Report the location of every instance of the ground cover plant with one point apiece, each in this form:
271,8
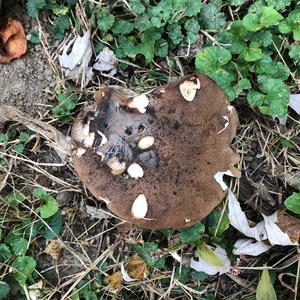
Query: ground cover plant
58,242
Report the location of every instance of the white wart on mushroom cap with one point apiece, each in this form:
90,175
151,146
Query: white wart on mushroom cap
167,152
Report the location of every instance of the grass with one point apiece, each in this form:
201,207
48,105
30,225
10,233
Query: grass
43,203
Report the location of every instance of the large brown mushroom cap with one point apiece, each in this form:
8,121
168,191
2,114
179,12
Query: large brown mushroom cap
175,185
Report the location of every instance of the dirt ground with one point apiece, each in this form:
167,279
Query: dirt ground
25,82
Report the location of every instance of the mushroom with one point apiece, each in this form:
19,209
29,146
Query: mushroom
178,186
14,41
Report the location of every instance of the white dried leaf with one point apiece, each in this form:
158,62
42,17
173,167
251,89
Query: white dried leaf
204,266
75,63
125,275
238,220
139,207
219,178
294,103
96,213
106,61
249,247
275,235
176,256
35,290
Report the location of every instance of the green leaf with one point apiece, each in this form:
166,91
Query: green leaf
269,16
149,252
4,290
161,49
198,276
167,232
14,198
5,253
237,2
34,37
122,27
105,20
210,16
266,66
265,290
294,53
19,246
137,6
50,208
193,8
4,139
34,6
146,47
90,295
192,234
251,22
252,53
211,59
279,4
277,96
19,148
216,225
265,17
55,224
61,25
208,255
67,102
23,267
291,23
284,27
292,203
175,34
182,274
24,137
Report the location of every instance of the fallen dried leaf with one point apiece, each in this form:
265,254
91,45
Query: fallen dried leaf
14,41
136,268
96,213
289,225
54,249
114,280
239,220
56,139
219,264
35,290
106,61
75,64
249,247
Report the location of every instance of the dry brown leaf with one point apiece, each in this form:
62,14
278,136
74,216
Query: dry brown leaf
136,268
289,225
114,281
54,249
14,41
56,139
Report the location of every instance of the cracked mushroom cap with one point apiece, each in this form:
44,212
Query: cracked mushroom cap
153,159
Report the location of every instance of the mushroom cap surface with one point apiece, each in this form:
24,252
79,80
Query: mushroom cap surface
191,144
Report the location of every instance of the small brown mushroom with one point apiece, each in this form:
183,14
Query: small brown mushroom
177,146
14,41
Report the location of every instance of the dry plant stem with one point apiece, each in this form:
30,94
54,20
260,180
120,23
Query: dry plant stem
55,138
91,267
